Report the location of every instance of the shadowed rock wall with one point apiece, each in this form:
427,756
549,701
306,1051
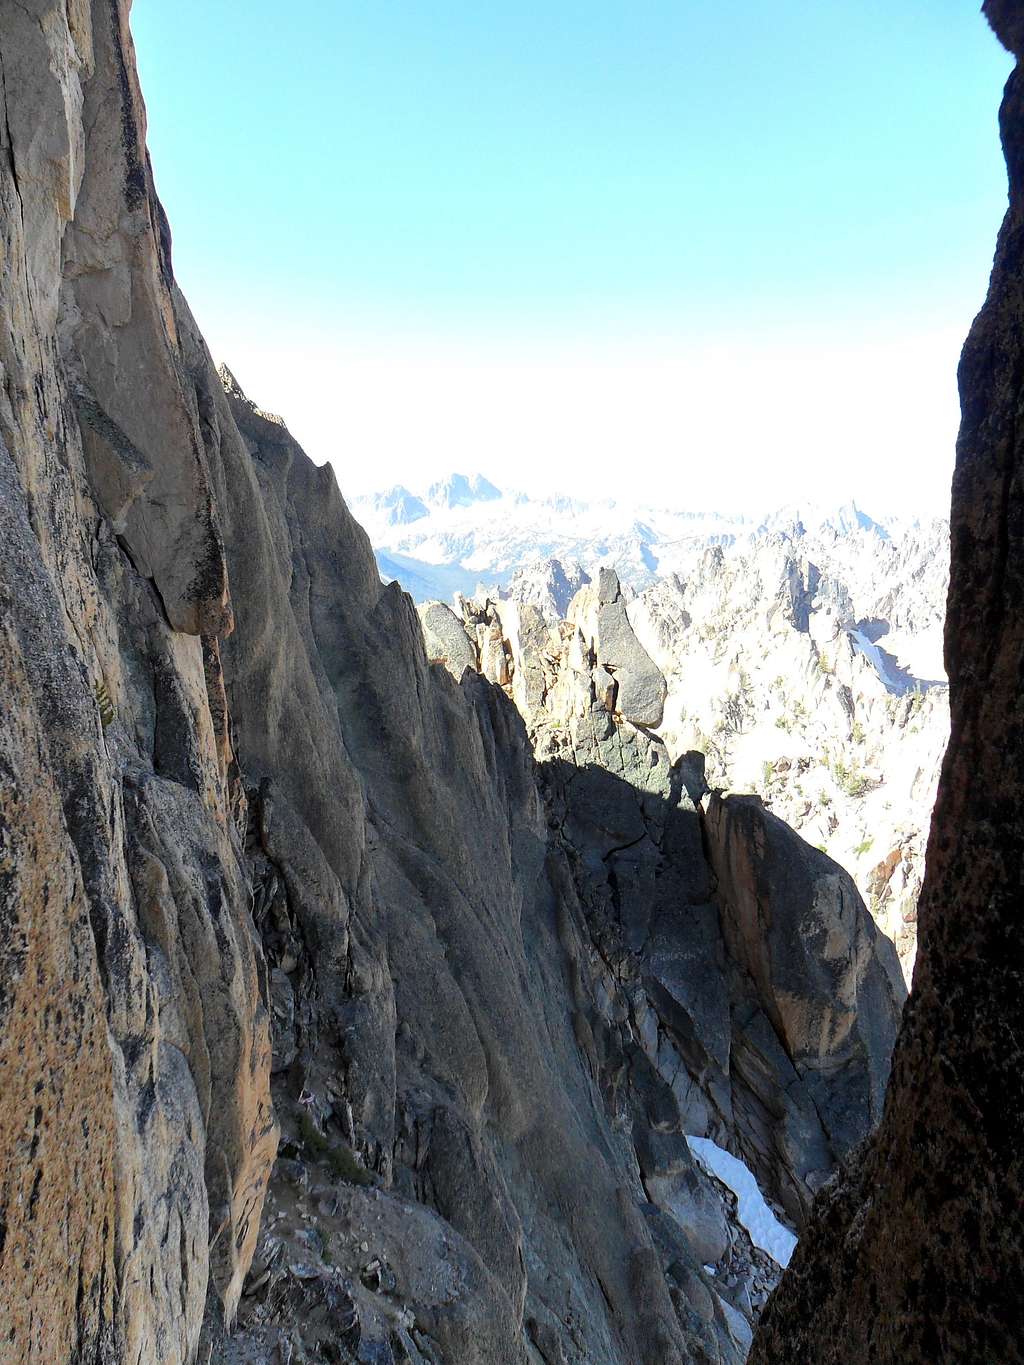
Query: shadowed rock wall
914,1252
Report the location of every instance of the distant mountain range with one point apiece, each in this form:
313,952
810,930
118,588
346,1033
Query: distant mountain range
398,507
463,532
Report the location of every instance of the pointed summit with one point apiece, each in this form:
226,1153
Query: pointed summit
235,392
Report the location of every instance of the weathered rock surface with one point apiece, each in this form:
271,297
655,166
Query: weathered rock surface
138,1134
639,688
826,977
266,872
913,1252
446,638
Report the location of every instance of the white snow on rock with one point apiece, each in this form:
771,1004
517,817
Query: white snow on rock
763,1228
874,656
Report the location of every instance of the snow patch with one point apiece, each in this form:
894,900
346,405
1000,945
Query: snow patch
763,1228
873,654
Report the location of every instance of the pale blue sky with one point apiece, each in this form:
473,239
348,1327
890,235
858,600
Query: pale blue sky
572,236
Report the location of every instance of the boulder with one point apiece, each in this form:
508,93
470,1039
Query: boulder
446,639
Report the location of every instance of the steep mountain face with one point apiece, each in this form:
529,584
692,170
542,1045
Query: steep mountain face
326,1012
135,1110
913,1251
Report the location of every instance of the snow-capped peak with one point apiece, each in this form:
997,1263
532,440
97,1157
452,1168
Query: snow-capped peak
459,491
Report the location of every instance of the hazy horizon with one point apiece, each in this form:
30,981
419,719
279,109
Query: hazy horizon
553,491
725,256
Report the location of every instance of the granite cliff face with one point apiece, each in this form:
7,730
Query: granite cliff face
913,1251
134,1037
344,1015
